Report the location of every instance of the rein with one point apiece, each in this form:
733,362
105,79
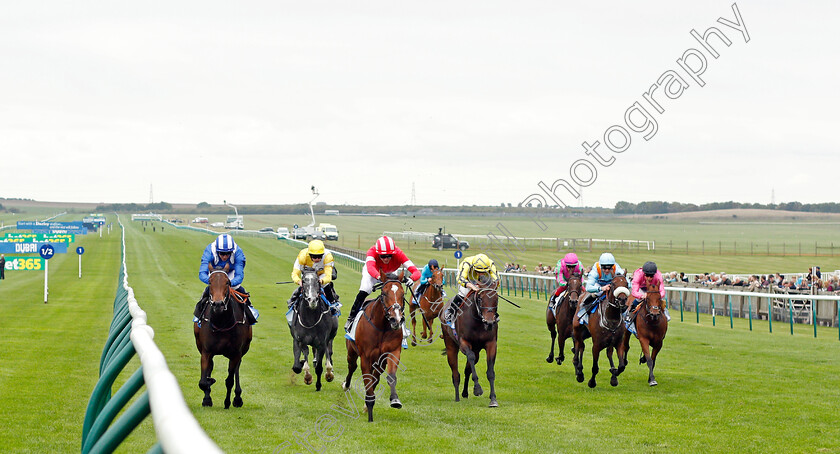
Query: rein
381,300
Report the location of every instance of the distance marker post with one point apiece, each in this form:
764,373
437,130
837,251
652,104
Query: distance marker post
47,252
80,250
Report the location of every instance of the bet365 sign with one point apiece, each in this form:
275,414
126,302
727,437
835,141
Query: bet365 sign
24,264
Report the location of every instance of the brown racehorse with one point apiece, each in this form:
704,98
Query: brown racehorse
379,341
607,330
224,331
431,303
476,328
651,326
559,320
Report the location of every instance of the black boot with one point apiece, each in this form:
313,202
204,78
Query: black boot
202,303
357,304
450,311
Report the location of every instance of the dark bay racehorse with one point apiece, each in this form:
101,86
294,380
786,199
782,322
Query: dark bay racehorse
476,328
379,341
651,326
559,321
431,303
606,328
313,325
224,331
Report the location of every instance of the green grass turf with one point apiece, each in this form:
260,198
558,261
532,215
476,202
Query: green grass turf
720,389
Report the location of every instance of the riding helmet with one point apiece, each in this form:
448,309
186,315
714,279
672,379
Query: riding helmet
224,243
316,247
606,259
385,246
649,268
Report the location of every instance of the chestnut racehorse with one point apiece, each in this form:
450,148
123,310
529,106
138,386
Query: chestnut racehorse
224,331
559,320
476,328
606,328
651,327
431,303
379,341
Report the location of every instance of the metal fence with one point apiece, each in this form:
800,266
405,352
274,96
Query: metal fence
176,428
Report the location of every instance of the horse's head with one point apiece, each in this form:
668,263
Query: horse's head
392,297
574,288
436,280
310,288
487,302
219,284
653,302
619,292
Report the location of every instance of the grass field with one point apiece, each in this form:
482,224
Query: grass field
720,390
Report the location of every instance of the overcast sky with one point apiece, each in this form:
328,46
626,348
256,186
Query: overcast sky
467,102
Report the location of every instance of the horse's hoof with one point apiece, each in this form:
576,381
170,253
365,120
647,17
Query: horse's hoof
493,403
614,381
642,360
307,379
559,360
653,383
237,401
465,394
297,369
330,377
592,383
395,403
413,343
227,404
344,386
550,359
317,386
477,391
207,402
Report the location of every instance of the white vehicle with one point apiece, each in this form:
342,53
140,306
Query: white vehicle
200,221
283,232
234,223
330,231
217,224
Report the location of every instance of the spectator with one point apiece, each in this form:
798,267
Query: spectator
754,284
738,282
683,277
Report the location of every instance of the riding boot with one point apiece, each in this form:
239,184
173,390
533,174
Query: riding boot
293,299
450,311
357,304
202,302
628,314
551,302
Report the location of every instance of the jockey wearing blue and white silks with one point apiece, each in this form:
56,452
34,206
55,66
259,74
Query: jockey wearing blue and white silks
235,260
224,251
602,273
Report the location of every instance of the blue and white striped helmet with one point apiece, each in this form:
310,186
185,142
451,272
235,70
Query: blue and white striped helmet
224,243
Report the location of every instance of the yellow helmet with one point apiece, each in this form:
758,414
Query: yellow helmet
482,263
316,247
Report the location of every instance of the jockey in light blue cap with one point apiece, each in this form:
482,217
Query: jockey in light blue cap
599,279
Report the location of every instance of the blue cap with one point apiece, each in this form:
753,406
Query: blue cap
433,264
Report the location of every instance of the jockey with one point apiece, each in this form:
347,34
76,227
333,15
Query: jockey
383,256
643,278
599,279
424,279
317,257
224,251
472,269
568,265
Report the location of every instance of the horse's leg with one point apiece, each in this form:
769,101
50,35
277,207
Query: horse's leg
352,356
307,376
206,381
613,370
577,361
370,378
563,333
233,371
491,372
318,358
551,321
428,324
623,349
393,360
647,359
655,347
477,391
452,359
596,352
469,369
296,364
328,358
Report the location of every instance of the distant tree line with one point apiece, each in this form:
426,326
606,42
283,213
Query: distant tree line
657,207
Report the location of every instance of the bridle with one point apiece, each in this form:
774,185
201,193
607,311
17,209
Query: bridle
615,303
394,324
480,310
223,303
652,311
309,275
567,295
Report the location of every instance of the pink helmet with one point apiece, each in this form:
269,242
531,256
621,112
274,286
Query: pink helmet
571,258
385,246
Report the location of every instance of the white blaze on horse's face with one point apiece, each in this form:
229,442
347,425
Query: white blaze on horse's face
394,288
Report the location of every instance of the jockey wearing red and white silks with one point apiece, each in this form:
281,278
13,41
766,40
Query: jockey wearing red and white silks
385,257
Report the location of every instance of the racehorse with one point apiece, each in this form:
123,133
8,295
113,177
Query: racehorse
313,324
223,330
476,328
431,303
607,330
379,340
651,326
559,320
